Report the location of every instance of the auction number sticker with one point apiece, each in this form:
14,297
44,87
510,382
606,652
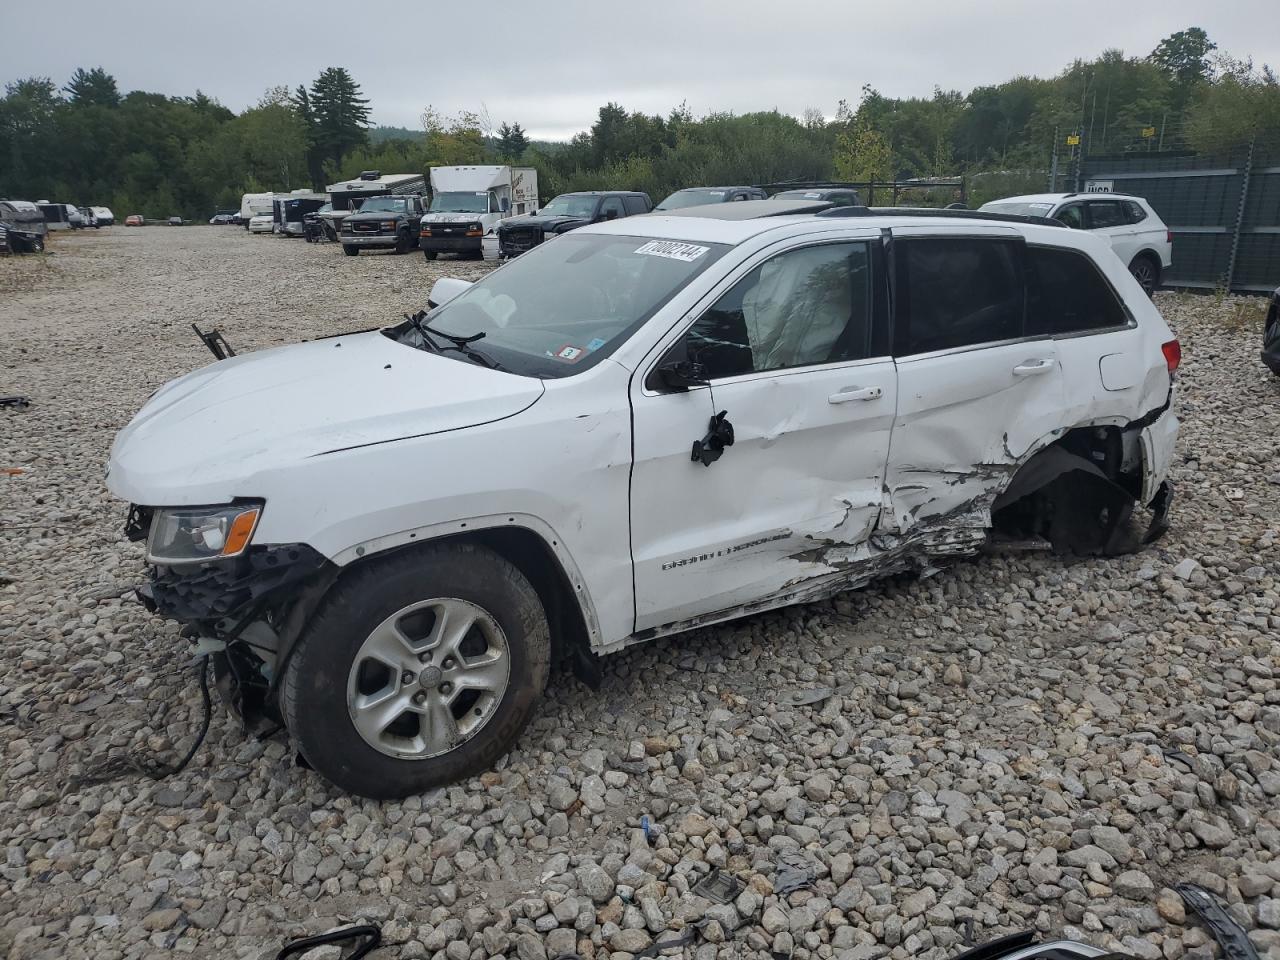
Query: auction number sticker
673,250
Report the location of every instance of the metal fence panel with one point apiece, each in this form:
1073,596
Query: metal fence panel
1214,206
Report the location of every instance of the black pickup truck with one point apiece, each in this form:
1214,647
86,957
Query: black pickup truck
568,212
383,222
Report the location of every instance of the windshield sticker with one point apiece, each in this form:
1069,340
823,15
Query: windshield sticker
672,250
715,193
1039,206
813,196
596,344
569,353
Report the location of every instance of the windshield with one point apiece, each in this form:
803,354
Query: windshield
569,206
692,198
1039,208
460,202
564,306
384,204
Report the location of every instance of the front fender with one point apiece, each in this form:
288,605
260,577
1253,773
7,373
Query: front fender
452,528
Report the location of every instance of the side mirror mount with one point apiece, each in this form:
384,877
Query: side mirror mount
446,289
611,214
680,375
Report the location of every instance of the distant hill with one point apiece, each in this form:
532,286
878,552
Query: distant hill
382,134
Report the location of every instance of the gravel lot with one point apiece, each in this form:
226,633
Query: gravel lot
1026,741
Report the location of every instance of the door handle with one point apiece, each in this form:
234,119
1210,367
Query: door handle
1031,368
856,393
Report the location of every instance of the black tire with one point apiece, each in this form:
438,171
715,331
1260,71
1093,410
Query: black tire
430,254
403,242
1146,270
36,245
350,249
313,694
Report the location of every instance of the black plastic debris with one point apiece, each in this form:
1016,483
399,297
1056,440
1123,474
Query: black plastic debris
365,937
718,887
1230,935
794,871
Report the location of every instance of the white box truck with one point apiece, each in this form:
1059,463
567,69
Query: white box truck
468,203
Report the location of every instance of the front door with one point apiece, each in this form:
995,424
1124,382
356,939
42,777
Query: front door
794,346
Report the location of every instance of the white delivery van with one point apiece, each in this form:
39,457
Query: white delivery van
468,203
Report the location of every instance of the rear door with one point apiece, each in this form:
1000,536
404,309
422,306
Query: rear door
976,391
1108,218
794,345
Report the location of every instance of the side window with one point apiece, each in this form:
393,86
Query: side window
956,293
1072,216
1105,213
1067,294
1135,211
614,204
634,205
802,307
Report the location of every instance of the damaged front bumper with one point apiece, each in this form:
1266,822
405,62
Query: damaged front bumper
246,611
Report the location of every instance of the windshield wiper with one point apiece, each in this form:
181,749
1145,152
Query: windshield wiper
460,343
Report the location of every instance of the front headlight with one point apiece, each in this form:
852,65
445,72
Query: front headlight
388,224
196,534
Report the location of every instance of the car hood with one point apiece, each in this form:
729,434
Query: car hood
375,215
548,224
452,217
204,437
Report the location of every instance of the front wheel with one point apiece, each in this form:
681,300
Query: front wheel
430,254
350,249
37,245
403,243
1146,271
417,670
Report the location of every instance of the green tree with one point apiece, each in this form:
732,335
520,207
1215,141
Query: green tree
1243,103
95,86
512,141
1185,56
453,140
337,115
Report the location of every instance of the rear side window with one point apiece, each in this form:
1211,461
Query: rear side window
801,308
611,204
635,205
1135,211
957,293
1105,213
1067,294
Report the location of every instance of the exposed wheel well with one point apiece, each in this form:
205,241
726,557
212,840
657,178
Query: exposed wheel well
1077,492
1153,258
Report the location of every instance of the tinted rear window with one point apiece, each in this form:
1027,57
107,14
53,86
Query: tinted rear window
1067,294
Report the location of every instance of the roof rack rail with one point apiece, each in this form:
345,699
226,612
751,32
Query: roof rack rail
941,214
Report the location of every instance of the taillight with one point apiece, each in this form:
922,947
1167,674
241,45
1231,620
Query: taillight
1168,236
1172,355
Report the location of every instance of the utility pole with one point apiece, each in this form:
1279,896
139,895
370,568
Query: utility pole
1053,163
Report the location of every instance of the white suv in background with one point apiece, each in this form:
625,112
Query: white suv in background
647,425
1136,233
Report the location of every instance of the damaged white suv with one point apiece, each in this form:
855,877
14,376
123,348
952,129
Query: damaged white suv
641,427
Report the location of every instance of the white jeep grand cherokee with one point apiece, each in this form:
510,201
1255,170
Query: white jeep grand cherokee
639,428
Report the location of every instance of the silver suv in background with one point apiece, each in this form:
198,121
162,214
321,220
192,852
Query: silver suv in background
1135,231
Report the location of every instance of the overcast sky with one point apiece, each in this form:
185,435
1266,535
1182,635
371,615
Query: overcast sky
550,64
